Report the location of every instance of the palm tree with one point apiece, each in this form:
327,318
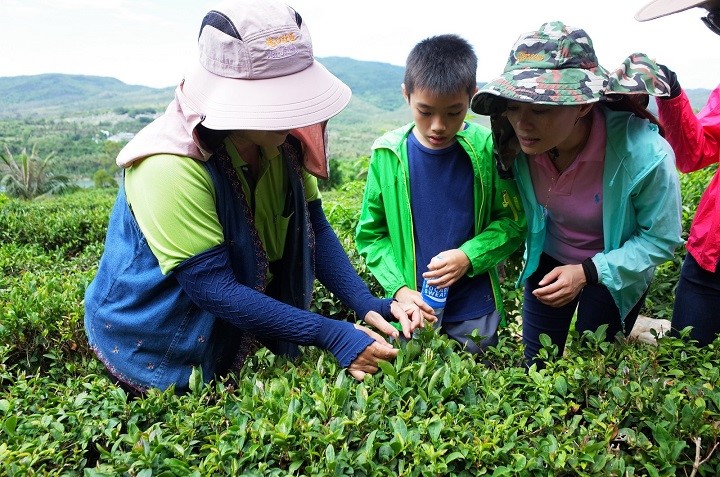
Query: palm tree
28,176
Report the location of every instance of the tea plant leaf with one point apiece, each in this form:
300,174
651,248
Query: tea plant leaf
330,454
545,340
10,424
196,381
387,368
434,430
454,456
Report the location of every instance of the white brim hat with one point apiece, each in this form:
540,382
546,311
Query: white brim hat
661,8
257,71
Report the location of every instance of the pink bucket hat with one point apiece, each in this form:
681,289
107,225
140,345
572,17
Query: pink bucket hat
257,71
661,8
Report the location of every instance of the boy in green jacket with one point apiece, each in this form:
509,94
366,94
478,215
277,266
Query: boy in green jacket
433,189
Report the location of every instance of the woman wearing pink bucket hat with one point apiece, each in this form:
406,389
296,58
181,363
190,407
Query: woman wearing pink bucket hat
696,141
218,233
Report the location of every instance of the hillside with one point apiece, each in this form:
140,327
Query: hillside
72,114
81,118
51,95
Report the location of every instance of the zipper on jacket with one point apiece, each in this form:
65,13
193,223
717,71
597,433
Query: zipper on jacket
468,150
406,178
507,202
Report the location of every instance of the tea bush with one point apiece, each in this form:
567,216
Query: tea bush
68,223
604,408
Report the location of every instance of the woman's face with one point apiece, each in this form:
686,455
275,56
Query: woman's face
262,138
541,127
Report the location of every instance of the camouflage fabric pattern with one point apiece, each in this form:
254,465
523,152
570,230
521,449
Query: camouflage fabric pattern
557,65
638,74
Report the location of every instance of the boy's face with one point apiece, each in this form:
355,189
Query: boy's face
437,117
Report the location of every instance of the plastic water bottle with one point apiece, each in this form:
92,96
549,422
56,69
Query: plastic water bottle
435,297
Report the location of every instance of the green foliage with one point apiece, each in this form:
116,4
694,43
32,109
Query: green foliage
604,408
74,115
80,145
28,176
103,179
67,224
22,96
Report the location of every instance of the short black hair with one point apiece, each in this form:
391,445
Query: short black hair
442,64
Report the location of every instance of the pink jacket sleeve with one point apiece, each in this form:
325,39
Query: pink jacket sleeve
694,138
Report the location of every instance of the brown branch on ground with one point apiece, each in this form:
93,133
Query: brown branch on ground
699,462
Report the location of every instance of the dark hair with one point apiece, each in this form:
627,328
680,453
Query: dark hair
443,64
636,104
211,138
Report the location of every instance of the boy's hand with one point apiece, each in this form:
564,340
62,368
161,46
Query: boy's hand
407,296
367,361
447,270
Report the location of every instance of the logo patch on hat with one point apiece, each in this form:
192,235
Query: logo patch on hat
523,56
282,46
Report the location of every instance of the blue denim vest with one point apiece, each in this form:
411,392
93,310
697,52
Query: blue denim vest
144,327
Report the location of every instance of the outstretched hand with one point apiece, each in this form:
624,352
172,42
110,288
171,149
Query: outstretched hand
367,361
408,315
561,285
413,297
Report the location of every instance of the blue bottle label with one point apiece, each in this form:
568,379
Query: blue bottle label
433,296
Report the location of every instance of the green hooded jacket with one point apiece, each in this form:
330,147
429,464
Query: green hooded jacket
385,232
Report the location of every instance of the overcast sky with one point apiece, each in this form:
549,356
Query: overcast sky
149,42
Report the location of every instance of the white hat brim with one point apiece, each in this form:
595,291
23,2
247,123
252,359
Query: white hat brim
308,97
661,8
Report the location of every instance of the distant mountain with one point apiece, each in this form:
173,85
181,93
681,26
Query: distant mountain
53,94
73,114
376,84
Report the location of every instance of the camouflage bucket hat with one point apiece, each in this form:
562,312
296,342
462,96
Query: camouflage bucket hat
557,65
554,65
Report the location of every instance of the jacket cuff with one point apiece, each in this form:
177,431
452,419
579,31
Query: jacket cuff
591,274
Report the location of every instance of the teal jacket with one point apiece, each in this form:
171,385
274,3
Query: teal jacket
641,209
385,233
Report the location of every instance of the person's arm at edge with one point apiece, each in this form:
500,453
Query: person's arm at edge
695,138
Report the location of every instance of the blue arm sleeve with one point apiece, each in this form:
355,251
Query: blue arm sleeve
208,280
334,270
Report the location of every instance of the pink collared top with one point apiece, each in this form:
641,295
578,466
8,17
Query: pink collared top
573,199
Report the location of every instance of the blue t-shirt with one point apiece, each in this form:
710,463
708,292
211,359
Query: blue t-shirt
442,206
